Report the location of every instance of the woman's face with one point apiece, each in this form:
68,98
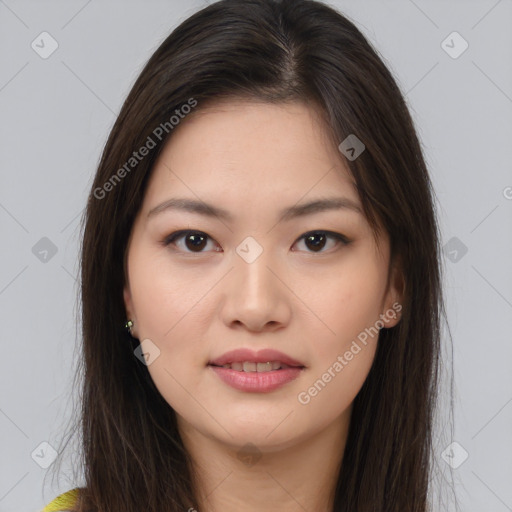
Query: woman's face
248,278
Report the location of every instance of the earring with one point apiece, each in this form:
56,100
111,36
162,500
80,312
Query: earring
128,325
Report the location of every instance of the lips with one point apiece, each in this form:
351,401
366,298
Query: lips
249,356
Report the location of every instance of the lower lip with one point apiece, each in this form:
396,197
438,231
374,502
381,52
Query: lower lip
256,382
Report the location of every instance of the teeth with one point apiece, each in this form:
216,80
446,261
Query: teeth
248,366
263,367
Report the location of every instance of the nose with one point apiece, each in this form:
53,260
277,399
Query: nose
255,295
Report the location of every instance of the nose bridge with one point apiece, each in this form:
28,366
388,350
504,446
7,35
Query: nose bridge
256,297
252,264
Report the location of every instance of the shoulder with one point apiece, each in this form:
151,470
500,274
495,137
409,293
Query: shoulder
63,502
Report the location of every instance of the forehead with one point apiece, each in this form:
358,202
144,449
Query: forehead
252,148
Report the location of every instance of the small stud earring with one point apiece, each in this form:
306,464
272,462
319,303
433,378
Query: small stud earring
128,325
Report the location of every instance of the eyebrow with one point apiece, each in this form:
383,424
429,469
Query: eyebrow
292,212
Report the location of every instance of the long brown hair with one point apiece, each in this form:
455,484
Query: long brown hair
275,51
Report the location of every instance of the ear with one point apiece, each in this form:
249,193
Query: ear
127,297
392,304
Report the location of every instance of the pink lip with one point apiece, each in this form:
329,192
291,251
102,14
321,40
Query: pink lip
262,356
256,382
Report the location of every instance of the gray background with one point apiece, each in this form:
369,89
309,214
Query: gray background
55,116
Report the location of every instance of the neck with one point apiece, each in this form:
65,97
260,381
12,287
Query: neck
299,476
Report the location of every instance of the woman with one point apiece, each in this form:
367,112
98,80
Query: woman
261,293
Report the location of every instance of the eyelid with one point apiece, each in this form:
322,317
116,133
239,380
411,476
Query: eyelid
340,238
170,239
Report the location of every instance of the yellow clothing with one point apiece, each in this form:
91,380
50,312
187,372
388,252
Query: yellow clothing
65,501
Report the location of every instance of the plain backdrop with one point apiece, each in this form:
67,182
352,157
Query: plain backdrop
55,114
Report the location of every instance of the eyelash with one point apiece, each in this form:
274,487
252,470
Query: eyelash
170,239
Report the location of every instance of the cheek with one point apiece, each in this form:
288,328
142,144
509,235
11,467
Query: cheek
169,312
345,341
169,306
346,303
165,298
330,393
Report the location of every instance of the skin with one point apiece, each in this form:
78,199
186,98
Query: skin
254,159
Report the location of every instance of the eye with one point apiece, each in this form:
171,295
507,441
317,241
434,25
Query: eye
196,241
317,239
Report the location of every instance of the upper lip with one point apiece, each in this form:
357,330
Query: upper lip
242,355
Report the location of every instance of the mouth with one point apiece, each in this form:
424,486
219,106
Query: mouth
263,372
251,366
246,360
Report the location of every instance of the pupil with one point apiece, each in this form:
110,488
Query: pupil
316,245
198,241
